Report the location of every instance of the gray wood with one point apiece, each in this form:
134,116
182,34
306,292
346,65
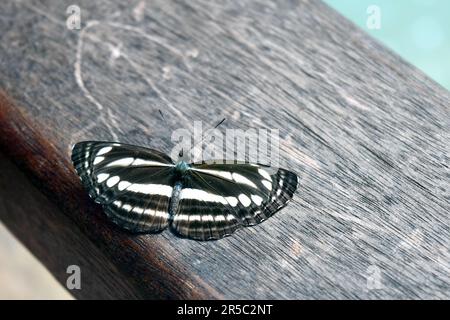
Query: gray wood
367,133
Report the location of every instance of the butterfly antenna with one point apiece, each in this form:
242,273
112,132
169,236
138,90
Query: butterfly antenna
166,124
203,138
220,123
162,116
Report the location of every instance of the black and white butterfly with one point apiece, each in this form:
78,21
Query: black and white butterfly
143,190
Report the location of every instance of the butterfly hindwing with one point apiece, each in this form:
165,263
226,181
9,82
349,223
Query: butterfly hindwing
133,184
217,199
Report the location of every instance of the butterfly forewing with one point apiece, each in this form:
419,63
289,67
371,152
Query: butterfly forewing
133,184
217,199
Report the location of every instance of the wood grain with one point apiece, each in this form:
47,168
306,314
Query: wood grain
366,132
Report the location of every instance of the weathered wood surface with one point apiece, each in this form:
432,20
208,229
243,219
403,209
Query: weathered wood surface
367,133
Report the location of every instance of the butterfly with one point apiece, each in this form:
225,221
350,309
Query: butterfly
143,190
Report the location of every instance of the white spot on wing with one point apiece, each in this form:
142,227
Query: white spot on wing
230,217
265,174
124,162
244,200
221,174
267,184
138,210
219,218
112,181
143,162
123,185
161,214
149,211
233,201
181,217
104,150
241,179
97,160
201,195
256,199
207,217
102,177
157,189
156,213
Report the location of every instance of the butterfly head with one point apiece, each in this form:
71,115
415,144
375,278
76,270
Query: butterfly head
181,167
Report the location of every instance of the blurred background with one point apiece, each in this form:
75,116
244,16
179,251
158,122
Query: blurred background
418,30
22,276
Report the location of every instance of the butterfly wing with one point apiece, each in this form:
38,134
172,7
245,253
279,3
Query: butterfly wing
134,184
217,199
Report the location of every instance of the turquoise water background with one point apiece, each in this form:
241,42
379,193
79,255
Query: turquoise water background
418,30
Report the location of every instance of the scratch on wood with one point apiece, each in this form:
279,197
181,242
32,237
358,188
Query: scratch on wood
116,52
297,155
78,61
80,82
139,11
153,86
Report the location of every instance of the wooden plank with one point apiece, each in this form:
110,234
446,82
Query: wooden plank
366,132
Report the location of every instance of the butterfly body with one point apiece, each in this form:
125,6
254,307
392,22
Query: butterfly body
143,190
175,199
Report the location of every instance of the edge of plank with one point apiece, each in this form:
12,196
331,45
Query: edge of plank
147,264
